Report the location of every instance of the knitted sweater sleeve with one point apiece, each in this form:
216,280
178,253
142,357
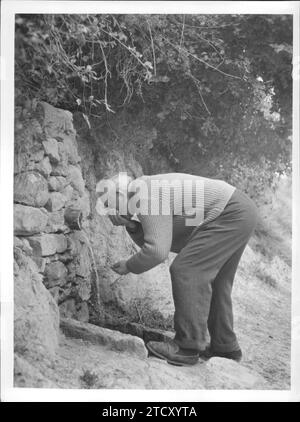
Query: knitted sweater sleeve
137,235
157,240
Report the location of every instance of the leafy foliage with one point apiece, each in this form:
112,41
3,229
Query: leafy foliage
215,87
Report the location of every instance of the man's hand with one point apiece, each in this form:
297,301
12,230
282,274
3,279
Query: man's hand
120,267
119,220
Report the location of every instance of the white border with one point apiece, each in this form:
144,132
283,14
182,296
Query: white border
295,349
9,8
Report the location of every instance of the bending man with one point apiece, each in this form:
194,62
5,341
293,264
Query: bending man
208,223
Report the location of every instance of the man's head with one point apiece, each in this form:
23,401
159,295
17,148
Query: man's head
114,192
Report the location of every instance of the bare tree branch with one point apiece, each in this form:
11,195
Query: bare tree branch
185,51
182,31
198,83
125,46
152,46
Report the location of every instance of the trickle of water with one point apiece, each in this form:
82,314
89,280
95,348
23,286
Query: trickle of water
94,264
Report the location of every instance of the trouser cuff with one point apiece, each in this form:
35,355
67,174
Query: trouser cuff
190,344
224,347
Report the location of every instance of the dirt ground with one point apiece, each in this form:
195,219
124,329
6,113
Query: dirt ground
263,328
81,364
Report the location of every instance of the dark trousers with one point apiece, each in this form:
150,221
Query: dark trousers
202,275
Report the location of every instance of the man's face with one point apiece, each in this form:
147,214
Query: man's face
121,204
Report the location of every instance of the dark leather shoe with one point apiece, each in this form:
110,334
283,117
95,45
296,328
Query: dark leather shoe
209,353
172,353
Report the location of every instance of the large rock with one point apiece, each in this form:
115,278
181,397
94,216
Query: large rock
36,317
51,149
76,179
48,244
84,288
43,167
55,121
114,340
56,222
23,244
57,183
60,169
76,241
29,220
82,203
83,312
56,201
68,149
81,264
28,148
68,309
31,189
68,193
55,274
40,263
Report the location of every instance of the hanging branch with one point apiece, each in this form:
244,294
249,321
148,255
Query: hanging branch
182,31
212,45
198,83
152,46
179,49
107,72
125,46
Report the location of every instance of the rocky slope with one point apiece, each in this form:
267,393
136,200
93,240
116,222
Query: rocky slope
100,358
63,252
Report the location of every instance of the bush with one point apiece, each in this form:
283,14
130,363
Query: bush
216,87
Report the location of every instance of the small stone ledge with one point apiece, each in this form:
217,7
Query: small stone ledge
114,340
140,330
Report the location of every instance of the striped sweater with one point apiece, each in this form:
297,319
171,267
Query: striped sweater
163,232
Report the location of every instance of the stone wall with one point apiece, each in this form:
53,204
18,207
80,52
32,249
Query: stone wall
48,189
56,170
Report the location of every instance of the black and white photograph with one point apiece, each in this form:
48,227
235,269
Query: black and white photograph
149,201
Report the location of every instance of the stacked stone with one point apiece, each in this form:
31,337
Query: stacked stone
47,181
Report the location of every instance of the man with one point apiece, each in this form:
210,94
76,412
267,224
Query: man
208,223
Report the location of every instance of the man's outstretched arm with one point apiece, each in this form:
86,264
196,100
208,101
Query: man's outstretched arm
136,232
157,240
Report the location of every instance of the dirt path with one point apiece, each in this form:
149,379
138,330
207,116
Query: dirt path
262,322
